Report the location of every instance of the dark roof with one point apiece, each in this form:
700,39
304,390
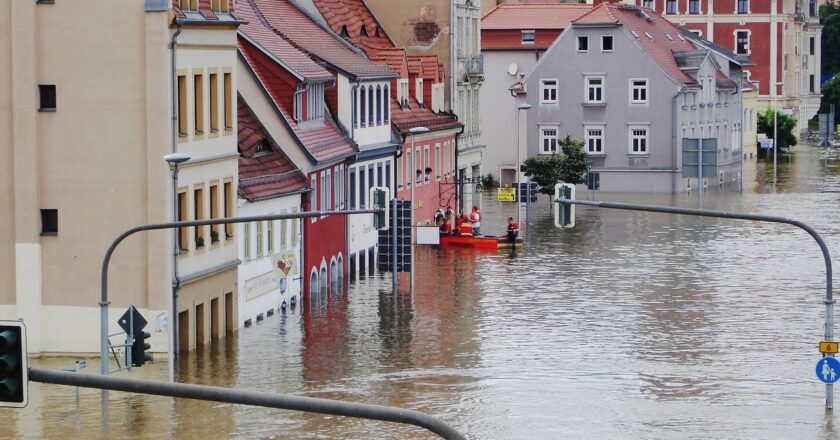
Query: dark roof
690,59
263,174
732,56
322,141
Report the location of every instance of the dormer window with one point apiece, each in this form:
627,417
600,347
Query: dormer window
344,32
402,92
220,6
188,5
309,105
363,32
263,148
527,37
418,90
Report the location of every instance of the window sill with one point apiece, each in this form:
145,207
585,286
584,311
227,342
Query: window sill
594,104
639,155
45,2
46,110
596,154
49,234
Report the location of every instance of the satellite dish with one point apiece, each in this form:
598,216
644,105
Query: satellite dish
512,69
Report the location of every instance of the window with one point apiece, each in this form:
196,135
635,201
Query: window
407,169
582,44
527,37
228,102
198,90
438,162
214,212
214,103
402,92
386,104
228,203
295,233
46,93
418,90
363,106
811,84
419,171
198,214
355,109
670,6
594,89
49,222
182,105
606,43
183,233
388,174
353,189
648,4
189,5
812,46
371,183
284,233
315,102
313,203
548,140
259,237
370,106
269,232
548,91
638,140
246,240
378,105
638,91
742,42
427,169
362,189
594,138
743,7
219,5
693,6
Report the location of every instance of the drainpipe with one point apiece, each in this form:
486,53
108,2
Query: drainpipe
680,92
176,285
298,109
740,92
457,173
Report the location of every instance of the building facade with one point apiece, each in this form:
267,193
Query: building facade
781,37
638,88
63,106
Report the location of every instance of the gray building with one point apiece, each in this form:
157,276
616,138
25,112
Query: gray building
633,85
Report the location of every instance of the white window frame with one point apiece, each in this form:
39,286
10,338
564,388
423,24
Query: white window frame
544,138
602,43
676,9
426,163
587,137
749,40
688,7
543,88
525,33
742,13
402,91
438,163
418,90
587,85
632,137
578,40
314,204
652,4
645,90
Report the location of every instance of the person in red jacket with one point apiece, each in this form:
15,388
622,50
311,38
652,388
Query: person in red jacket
512,230
445,227
466,228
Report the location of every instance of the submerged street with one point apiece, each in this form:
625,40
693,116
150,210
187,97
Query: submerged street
630,325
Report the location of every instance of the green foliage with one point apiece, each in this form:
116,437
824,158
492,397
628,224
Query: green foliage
488,181
831,95
568,167
830,20
785,126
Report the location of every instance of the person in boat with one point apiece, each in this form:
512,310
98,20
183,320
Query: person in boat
445,227
466,228
512,230
449,214
475,219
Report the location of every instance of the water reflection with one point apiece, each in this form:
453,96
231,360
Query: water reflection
630,325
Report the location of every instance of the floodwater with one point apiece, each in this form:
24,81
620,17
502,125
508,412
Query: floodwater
631,325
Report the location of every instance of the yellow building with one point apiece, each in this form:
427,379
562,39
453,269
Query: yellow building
86,116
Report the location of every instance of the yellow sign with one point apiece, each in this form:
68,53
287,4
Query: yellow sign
828,347
506,195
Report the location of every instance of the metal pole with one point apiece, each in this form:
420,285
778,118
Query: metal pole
518,168
172,301
413,178
775,123
394,246
700,167
269,400
829,299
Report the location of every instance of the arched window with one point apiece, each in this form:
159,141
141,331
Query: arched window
313,284
333,277
340,262
363,106
354,110
386,101
371,105
324,283
378,105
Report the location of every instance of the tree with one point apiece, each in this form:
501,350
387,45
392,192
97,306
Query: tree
830,20
785,126
569,167
831,95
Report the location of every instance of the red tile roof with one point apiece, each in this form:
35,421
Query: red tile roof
517,16
658,36
324,142
304,33
261,35
351,16
263,174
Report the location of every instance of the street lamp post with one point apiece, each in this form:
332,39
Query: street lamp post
519,109
775,126
174,160
413,180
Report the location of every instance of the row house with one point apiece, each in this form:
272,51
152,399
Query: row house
287,92
639,86
83,143
450,31
514,36
416,99
781,37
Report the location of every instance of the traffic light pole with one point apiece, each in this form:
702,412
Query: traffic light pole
829,299
246,397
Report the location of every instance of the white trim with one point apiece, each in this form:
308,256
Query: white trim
587,138
645,90
644,147
544,138
543,88
525,32
735,40
578,40
602,87
602,44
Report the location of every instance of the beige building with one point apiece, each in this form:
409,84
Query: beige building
86,116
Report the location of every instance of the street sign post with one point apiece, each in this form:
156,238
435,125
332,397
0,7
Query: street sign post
828,370
506,195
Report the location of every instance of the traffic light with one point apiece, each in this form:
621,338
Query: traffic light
14,374
379,197
138,349
564,215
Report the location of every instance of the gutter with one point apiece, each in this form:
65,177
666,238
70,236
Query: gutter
173,332
680,91
457,174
